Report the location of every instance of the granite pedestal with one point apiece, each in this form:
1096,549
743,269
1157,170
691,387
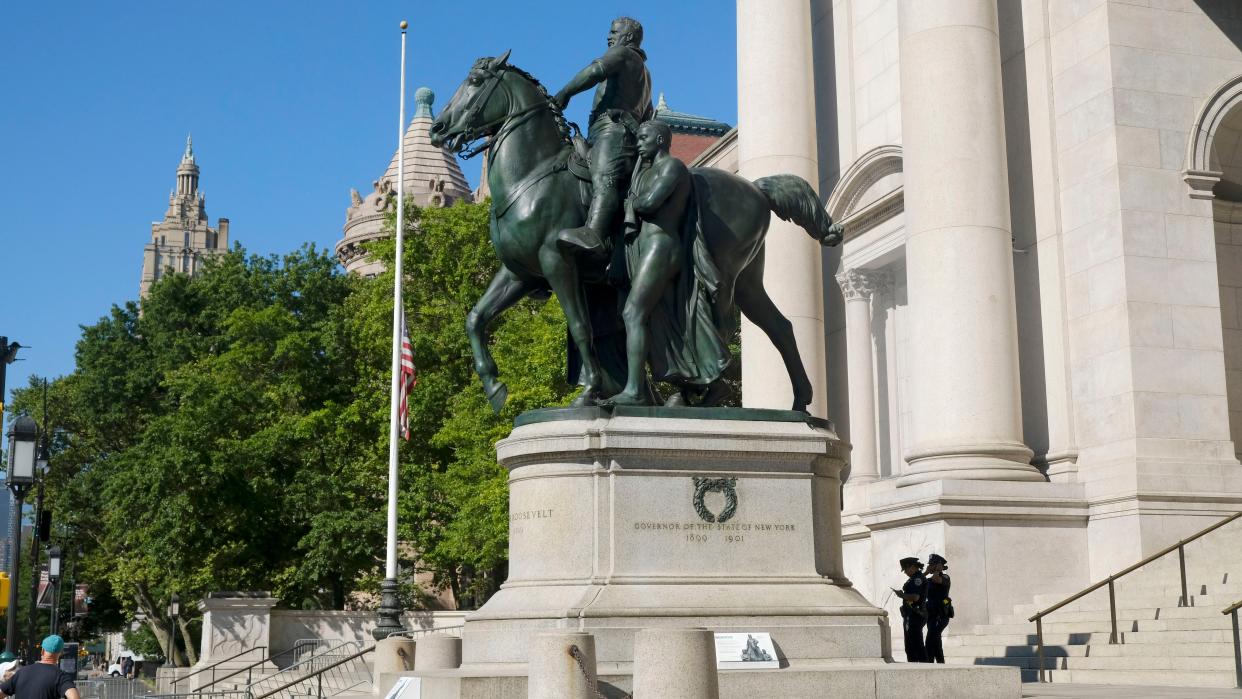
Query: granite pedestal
634,518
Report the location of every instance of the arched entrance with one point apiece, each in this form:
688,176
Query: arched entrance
1214,172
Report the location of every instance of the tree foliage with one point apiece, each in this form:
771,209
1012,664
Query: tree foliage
232,431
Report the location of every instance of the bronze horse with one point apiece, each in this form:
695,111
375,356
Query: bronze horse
535,196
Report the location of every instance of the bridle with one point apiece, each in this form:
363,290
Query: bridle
511,120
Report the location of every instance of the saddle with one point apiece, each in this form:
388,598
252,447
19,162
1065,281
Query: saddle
580,159
580,165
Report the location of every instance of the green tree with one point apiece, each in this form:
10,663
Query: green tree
232,431
454,503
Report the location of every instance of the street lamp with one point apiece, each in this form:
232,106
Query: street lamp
174,611
40,530
54,559
19,478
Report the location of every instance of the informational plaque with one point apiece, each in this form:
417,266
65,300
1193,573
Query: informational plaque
745,651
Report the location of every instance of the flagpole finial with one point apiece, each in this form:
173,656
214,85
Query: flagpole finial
404,25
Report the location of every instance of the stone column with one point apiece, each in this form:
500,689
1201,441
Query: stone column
554,672
675,663
776,134
857,287
967,415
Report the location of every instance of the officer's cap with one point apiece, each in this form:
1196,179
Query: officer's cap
911,561
937,558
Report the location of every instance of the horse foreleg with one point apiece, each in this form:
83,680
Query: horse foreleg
758,307
561,271
505,290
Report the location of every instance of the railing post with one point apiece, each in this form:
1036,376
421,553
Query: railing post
320,685
1112,610
1237,650
1181,562
1039,640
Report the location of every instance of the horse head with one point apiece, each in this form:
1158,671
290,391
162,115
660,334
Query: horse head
475,111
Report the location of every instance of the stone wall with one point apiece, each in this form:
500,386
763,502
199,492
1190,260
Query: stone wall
292,625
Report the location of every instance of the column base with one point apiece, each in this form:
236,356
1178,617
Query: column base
998,461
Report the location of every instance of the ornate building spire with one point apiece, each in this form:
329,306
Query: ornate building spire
181,241
187,171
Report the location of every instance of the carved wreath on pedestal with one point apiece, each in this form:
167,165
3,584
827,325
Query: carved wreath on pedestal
703,486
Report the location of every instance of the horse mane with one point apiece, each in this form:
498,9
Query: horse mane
562,125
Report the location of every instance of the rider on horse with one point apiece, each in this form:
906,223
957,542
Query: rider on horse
622,103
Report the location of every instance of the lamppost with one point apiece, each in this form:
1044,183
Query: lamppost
174,611
20,476
38,532
53,577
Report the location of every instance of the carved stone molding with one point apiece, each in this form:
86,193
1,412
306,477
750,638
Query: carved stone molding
859,284
845,204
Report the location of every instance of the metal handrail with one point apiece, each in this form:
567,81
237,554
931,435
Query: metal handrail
1112,593
1237,642
213,666
454,630
316,673
249,669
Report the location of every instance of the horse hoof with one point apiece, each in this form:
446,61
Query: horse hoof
497,395
677,400
625,399
587,399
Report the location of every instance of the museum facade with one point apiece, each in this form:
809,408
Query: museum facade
1031,335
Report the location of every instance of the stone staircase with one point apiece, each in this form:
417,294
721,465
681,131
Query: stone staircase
1160,641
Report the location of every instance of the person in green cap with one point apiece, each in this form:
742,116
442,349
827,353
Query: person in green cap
44,679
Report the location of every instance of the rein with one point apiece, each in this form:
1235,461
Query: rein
511,120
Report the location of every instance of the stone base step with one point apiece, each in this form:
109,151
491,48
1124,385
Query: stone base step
1196,663
1197,611
1216,622
1216,650
1158,678
1092,637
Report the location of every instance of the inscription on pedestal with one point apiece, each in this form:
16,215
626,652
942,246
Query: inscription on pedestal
716,532
517,519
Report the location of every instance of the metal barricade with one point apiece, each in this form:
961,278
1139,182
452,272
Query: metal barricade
110,688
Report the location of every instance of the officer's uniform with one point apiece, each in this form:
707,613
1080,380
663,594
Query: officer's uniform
914,614
938,610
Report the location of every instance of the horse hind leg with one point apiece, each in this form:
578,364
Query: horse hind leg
504,290
561,271
753,300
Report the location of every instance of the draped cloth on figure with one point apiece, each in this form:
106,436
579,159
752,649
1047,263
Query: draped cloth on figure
688,345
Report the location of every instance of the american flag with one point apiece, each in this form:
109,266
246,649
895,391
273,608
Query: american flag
408,379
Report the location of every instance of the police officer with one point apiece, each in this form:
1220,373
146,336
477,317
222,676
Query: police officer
913,609
622,103
939,606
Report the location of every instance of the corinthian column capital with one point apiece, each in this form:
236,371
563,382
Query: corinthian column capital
859,284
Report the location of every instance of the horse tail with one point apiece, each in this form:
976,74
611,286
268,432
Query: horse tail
791,198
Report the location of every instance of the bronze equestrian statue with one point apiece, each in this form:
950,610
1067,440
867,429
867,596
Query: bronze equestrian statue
538,196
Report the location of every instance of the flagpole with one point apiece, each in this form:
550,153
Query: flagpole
390,605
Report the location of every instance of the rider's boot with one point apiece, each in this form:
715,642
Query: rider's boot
590,241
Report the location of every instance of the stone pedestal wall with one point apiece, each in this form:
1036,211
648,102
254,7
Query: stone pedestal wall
632,520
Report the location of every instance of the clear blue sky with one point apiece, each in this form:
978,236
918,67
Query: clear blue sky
290,104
